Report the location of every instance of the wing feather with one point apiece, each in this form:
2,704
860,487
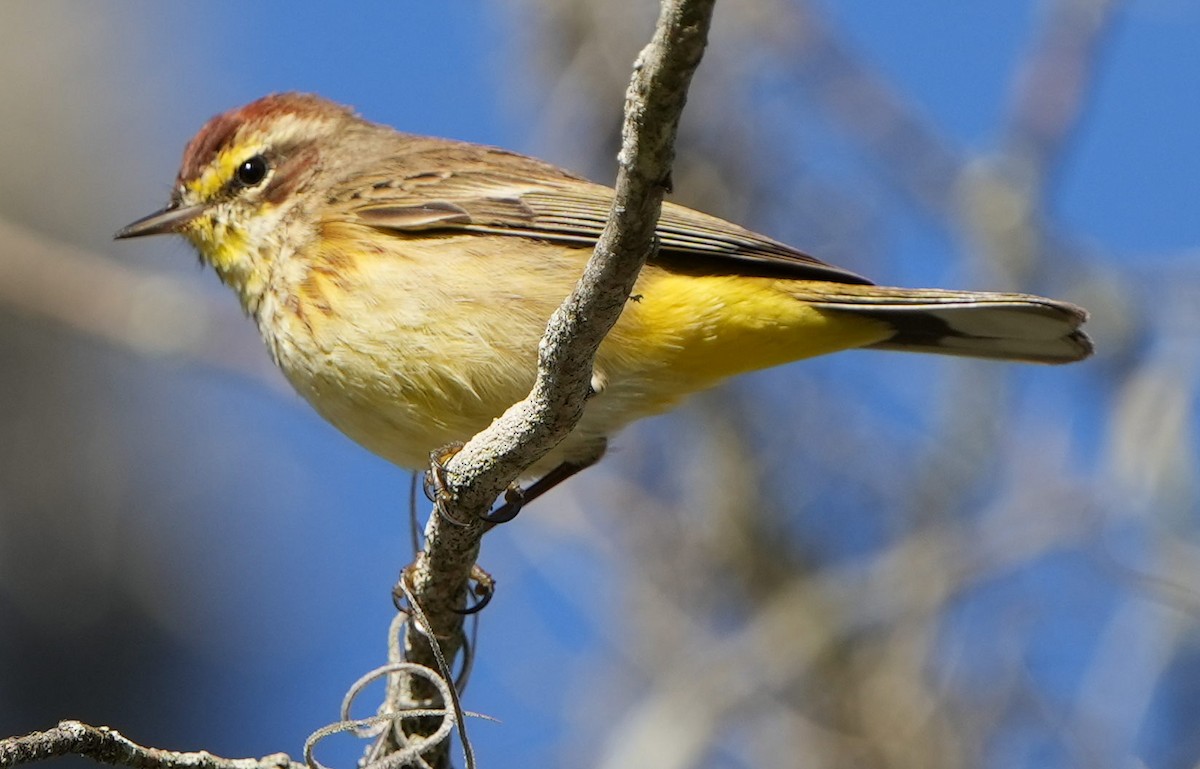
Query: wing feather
499,193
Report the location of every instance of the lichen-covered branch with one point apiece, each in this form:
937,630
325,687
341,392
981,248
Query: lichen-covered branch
527,431
108,746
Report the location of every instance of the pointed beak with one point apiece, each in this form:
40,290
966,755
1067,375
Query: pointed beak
169,220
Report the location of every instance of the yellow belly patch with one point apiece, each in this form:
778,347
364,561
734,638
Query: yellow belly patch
709,327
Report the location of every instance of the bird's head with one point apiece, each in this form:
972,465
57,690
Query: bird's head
245,182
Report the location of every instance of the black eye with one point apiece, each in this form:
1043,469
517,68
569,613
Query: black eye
251,171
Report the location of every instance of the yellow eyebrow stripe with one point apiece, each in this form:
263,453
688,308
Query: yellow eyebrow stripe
218,173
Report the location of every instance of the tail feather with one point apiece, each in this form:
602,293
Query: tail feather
975,324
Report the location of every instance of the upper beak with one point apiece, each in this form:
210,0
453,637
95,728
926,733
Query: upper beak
170,219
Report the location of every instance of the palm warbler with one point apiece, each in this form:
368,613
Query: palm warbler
402,283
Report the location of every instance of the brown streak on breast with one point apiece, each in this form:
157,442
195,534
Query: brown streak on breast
312,293
334,260
294,306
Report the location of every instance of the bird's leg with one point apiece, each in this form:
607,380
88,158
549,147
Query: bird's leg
515,497
437,491
483,590
435,481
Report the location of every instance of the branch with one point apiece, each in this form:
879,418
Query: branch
147,314
915,156
1055,81
494,458
529,429
107,746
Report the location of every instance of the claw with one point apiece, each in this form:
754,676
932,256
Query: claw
484,590
398,597
515,497
514,500
435,482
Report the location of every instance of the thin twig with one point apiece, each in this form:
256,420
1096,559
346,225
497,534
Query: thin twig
422,623
108,746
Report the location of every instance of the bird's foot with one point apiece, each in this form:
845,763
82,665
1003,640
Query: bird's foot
436,489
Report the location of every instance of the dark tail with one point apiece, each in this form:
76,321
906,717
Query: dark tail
976,324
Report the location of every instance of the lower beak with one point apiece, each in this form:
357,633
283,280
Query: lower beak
169,220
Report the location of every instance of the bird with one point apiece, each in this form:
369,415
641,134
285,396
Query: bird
402,283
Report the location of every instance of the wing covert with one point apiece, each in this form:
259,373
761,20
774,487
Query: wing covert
522,197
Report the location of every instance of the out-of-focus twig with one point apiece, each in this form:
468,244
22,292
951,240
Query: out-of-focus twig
875,665
145,314
1055,79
